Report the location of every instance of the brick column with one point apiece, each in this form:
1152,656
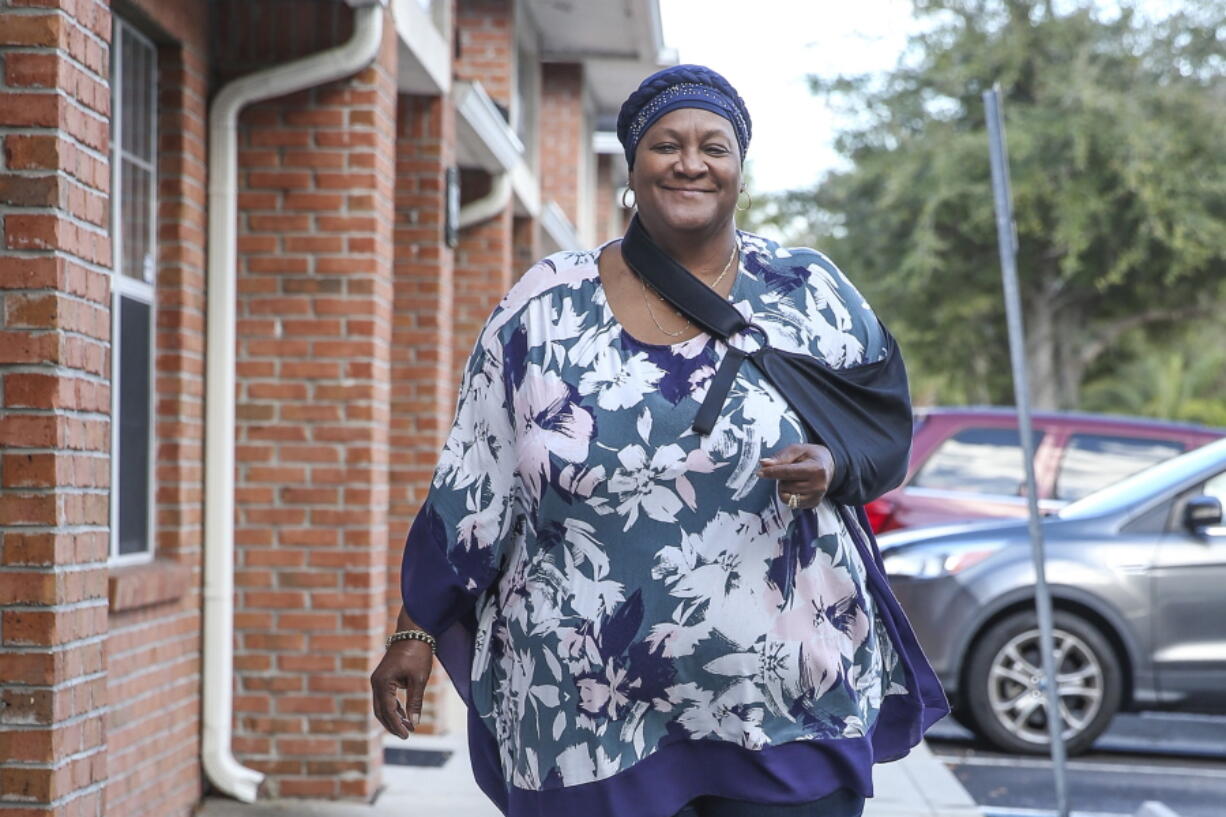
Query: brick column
563,151
154,643
315,295
483,272
525,244
55,258
422,397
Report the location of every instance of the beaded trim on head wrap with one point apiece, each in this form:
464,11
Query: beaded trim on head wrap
681,86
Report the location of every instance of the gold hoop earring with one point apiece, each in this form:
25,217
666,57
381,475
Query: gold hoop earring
632,204
741,209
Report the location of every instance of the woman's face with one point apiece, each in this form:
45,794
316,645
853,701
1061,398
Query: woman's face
687,172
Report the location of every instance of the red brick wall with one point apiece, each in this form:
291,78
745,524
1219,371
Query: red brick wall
315,295
422,399
54,405
525,244
485,51
482,276
561,136
153,649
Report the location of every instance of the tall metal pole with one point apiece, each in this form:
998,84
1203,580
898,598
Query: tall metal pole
1007,236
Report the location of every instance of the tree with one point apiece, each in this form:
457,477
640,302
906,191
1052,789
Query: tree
1182,379
1116,133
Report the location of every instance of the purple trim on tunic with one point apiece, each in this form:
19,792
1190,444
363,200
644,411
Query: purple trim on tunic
660,784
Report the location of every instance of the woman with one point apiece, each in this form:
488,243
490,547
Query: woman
645,620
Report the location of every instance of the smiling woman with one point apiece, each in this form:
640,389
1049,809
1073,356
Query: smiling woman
647,615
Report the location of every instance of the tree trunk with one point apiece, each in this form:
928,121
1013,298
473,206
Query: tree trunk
1042,354
1071,330
1056,332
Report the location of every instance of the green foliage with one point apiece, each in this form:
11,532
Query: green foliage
1116,135
1182,379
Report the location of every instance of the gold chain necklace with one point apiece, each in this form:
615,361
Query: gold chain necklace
647,301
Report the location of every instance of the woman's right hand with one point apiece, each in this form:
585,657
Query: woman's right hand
406,665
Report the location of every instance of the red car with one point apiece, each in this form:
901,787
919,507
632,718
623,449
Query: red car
966,463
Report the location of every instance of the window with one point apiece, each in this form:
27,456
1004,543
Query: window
979,461
1216,487
1093,461
133,233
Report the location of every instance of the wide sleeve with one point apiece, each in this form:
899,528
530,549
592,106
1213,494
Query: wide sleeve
851,388
456,544
874,399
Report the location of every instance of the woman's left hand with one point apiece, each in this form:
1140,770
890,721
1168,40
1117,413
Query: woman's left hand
804,472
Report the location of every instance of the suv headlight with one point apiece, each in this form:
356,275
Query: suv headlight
924,563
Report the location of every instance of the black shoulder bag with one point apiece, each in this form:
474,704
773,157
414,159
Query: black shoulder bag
862,414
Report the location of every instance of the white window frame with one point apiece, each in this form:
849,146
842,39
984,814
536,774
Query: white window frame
124,286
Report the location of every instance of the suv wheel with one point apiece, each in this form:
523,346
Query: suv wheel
1005,698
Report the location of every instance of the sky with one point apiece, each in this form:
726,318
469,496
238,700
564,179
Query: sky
766,48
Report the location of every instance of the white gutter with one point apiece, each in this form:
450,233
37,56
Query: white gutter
485,140
345,60
489,205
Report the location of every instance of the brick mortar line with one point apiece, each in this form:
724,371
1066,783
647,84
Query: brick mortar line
30,331
36,368
175,746
60,134
35,493
60,763
136,746
77,681
145,670
44,172
69,333
52,210
76,794
175,794
169,640
45,12
60,53
63,94
59,570
182,351
73,414
53,529
67,608
66,721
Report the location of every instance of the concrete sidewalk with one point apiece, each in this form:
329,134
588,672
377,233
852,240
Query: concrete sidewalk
916,786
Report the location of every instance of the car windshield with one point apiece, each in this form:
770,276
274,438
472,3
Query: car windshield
1145,483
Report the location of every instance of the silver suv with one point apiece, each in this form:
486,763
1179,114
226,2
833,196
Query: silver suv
1138,579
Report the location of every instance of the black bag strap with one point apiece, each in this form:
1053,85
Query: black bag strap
862,413
677,285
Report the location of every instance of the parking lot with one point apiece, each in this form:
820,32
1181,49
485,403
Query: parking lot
1176,759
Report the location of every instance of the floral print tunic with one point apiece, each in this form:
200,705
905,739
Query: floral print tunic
633,584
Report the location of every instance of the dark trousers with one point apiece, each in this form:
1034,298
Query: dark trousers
841,803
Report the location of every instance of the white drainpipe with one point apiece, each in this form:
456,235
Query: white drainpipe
489,205
345,60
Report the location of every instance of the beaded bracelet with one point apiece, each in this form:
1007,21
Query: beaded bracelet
413,635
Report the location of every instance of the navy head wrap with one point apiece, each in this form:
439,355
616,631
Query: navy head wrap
681,86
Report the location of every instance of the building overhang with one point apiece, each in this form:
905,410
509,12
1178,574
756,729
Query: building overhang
485,141
424,64
619,42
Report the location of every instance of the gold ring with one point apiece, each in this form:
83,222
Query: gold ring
792,501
